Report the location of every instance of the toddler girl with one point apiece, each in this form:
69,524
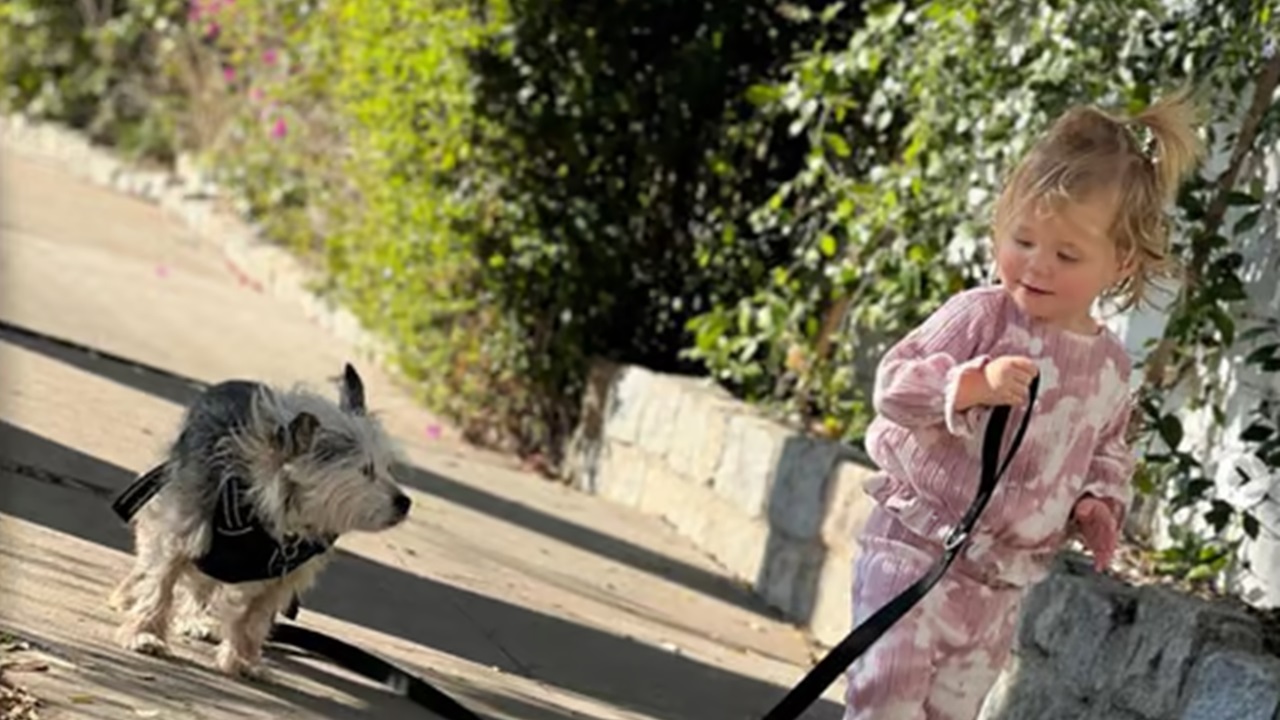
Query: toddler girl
1080,218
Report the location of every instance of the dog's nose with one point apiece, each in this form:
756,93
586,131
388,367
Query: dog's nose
402,503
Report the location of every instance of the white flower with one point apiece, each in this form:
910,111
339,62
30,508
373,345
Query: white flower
1243,480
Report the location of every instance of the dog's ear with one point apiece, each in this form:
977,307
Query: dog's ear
297,438
351,394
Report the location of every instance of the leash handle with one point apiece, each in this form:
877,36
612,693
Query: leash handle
813,684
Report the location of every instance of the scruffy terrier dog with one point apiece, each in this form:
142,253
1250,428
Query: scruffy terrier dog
243,513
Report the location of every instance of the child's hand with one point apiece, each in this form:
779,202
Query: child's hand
1098,529
1009,379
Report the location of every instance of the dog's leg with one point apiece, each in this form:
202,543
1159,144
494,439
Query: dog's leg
147,626
195,619
245,630
125,593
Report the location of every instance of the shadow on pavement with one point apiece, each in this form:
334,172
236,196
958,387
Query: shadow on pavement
100,674
609,546
183,390
61,488
144,378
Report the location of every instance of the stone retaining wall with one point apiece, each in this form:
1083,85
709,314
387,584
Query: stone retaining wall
1093,648
777,507
780,509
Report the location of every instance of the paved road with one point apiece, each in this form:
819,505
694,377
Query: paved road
524,598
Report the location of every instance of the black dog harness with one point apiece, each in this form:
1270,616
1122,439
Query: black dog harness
808,690
241,549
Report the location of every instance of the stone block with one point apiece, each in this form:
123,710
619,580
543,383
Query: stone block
671,496
1233,685
1030,688
790,579
1169,631
659,422
698,440
585,447
622,473
832,615
735,541
748,465
798,496
628,397
847,506
1080,626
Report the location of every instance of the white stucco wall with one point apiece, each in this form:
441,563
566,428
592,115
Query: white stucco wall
1221,449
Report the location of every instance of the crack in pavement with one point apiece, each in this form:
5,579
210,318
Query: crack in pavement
50,477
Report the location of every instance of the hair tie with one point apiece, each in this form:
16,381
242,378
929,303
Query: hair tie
1143,139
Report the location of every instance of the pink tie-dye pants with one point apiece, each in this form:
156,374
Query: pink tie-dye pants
939,661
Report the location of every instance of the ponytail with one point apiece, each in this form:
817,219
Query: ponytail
1174,149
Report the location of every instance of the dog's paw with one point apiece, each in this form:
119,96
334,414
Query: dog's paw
204,629
147,644
236,665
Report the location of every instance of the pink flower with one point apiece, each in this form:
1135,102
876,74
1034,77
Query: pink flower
280,129
433,431
255,94
269,56
229,74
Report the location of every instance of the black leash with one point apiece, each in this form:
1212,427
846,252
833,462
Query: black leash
811,687
371,666
804,694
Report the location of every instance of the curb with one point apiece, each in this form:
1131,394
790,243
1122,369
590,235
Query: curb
184,194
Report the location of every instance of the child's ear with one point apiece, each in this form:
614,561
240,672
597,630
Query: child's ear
1127,266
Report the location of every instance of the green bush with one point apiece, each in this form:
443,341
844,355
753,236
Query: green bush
911,125
625,157
98,67
506,192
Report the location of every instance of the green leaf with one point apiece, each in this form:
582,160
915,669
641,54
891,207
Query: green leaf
838,145
1262,354
1251,525
761,95
1257,432
1200,573
1171,431
828,245
1248,222
1219,515
1226,326
1239,197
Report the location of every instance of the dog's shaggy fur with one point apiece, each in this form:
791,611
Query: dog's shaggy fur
308,470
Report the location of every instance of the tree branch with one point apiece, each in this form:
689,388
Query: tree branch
1156,374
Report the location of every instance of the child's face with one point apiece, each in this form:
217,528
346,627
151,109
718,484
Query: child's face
1056,263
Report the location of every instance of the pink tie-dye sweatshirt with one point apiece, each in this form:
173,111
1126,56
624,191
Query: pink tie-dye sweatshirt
930,453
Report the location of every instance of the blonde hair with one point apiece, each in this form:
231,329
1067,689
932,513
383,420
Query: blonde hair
1089,151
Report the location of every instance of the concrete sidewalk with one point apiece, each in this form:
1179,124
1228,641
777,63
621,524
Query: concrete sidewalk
524,599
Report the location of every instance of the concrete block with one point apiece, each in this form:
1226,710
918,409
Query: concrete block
748,465
832,616
622,473
659,422
1233,685
713,523
790,579
847,505
669,495
584,449
798,496
699,438
628,398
